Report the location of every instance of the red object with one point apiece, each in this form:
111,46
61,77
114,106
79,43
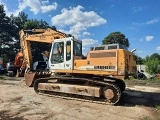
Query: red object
19,62
158,75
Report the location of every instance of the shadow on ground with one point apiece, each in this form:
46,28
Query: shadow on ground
14,80
5,116
134,97
11,78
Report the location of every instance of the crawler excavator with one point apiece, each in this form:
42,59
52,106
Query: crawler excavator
98,77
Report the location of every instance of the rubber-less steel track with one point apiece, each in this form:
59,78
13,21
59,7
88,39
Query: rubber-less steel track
92,82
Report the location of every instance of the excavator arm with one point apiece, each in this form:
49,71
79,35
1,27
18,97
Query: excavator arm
36,35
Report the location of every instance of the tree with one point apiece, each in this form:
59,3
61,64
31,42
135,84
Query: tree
5,27
153,63
18,22
155,56
7,34
36,24
116,37
139,60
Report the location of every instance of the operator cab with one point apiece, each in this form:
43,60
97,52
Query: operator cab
63,52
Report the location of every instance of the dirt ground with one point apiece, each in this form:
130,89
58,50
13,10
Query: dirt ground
19,102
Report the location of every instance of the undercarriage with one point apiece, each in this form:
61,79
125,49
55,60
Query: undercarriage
104,90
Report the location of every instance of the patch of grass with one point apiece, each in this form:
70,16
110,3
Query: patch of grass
146,118
157,107
149,82
158,118
156,80
2,76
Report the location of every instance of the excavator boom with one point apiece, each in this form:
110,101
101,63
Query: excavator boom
36,35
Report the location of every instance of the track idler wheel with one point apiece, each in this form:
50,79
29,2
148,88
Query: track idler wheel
37,82
112,94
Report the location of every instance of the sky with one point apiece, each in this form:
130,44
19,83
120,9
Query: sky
92,20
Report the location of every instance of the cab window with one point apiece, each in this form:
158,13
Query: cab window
68,50
57,53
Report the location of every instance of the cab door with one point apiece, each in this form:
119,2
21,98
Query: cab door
56,60
61,55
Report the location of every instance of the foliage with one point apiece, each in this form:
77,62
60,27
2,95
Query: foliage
139,60
155,56
116,37
9,34
158,107
155,82
18,22
152,65
2,76
35,24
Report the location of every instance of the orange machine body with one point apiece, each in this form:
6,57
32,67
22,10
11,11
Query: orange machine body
118,63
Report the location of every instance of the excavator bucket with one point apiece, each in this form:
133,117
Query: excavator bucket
30,77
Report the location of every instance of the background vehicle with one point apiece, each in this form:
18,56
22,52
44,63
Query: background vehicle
142,74
2,69
10,69
97,78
